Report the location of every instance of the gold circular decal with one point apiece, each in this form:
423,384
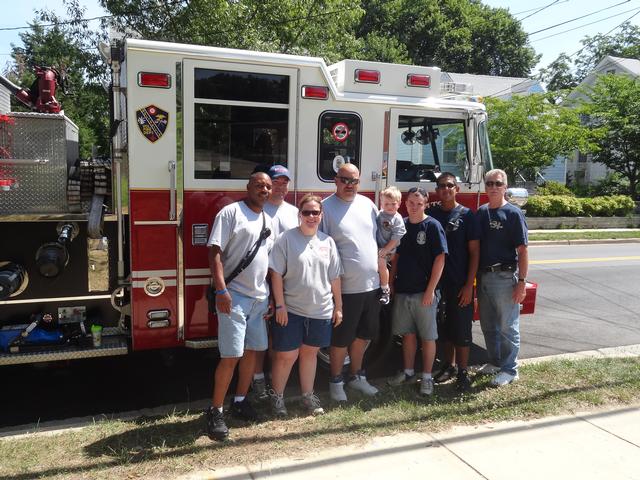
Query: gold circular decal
154,286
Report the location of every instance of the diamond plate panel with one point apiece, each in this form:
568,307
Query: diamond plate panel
40,146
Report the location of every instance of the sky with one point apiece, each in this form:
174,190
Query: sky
611,13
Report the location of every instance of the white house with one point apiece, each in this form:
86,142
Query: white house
5,100
580,167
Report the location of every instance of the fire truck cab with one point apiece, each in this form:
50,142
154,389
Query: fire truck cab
190,124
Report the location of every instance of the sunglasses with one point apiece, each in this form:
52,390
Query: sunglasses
447,185
349,181
308,213
491,183
419,190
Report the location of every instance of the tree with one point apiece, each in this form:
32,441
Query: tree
70,48
564,73
455,35
528,132
612,105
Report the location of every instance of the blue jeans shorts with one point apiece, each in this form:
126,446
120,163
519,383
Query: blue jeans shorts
314,332
410,316
244,328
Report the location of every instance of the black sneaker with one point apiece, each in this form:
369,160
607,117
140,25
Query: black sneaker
244,411
216,428
463,384
385,297
446,373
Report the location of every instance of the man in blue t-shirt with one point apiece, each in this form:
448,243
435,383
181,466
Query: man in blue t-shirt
457,281
415,272
504,263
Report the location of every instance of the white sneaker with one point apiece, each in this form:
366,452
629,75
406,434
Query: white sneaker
503,378
426,386
336,391
401,378
488,369
359,383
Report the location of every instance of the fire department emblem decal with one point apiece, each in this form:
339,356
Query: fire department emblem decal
152,122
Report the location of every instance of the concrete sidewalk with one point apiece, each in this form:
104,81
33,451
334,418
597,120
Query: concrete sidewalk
589,446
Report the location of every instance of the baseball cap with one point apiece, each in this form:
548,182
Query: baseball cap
279,171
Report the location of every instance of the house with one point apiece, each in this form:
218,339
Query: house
581,169
503,88
5,100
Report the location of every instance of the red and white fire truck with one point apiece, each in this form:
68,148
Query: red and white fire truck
120,243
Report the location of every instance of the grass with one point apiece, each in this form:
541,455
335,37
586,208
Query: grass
596,235
176,444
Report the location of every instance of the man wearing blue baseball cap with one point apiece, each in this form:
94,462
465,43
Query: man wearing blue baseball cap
284,216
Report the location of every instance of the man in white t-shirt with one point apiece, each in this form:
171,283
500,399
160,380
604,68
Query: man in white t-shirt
241,302
284,216
350,219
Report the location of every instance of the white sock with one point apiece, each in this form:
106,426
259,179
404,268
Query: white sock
426,376
238,398
258,376
384,287
410,372
219,409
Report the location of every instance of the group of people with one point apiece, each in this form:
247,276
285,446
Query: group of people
294,280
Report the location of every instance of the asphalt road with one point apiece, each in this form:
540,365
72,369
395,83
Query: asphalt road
588,297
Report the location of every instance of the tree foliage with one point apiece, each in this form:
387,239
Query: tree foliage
528,132
564,72
612,105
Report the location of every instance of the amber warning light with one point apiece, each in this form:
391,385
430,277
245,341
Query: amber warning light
414,80
154,80
316,93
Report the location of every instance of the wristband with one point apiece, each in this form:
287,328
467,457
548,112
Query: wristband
523,280
221,292
278,307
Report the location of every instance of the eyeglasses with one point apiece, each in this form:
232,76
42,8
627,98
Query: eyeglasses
419,190
447,185
308,213
497,183
349,181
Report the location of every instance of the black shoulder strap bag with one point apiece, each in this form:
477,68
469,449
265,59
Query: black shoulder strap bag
454,221
244,263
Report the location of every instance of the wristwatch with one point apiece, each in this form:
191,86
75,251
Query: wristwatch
523,280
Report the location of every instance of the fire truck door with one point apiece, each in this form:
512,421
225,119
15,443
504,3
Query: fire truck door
237,116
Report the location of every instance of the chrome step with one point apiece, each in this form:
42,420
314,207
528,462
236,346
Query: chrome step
209,342
111,346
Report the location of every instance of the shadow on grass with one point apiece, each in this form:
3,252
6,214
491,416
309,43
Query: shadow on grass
150,442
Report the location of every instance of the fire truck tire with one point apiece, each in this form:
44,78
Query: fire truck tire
94,223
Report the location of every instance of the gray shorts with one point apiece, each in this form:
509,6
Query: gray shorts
244,328
410,316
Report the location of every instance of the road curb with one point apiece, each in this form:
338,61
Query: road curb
584,241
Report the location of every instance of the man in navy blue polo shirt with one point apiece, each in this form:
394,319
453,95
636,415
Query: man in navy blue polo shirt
457,281
504,263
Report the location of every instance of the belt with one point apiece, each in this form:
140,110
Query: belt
500,267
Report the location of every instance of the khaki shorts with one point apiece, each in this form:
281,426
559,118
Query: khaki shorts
410,316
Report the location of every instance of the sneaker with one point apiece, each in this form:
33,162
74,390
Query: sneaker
259,388
503,378
447,372
426,387
244,411
401,378
385,297
463,384
336,391
311,404
488,369
216,428
359,383
278,408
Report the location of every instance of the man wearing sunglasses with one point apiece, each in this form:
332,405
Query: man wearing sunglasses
242,303
457,281
504,263
350,219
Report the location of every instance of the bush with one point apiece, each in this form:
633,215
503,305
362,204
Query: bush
567,206
554,188
612,184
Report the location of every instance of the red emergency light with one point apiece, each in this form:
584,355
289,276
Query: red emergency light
367,76
315,93
154,80
415,80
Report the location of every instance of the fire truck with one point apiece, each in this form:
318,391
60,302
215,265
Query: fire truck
118,245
